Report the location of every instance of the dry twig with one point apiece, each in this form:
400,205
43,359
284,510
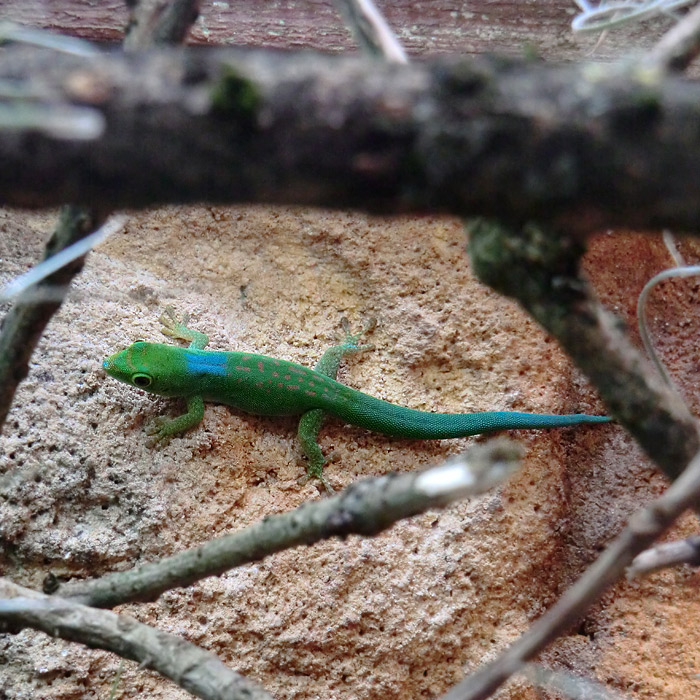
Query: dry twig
371,30
676,50
23,325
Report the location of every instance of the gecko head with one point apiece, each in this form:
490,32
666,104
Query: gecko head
147,366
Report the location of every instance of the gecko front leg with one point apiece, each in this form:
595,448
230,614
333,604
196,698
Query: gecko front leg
177,328
162,428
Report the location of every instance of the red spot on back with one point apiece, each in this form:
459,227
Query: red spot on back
261,366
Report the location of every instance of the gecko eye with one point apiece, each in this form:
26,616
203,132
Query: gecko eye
141,380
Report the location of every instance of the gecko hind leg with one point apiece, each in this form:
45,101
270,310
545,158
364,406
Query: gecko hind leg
311,421
330,361
307,434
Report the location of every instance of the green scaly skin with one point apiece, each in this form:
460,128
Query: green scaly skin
265,386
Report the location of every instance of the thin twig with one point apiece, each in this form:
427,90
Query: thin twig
615,14
79,249
642,319
195,670
667,554
372,32
679,46
365,508
10,31
643,528
672,248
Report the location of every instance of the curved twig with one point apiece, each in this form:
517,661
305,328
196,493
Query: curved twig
688,271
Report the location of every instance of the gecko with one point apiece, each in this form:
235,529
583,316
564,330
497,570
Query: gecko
263,385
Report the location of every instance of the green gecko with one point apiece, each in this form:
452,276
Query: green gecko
265,386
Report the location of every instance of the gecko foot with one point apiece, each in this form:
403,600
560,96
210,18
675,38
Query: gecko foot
352,339
303,480
158,433
176,328
173,326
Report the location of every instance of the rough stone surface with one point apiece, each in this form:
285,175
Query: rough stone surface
399,616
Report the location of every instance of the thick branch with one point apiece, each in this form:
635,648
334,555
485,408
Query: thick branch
540,269
584,145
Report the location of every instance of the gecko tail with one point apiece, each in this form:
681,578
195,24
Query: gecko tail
389,419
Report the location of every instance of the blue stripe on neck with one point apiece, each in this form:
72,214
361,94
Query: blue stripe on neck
210,362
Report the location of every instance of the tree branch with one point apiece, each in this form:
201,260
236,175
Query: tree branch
24,323
539,268
585,145
196,670
366,508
